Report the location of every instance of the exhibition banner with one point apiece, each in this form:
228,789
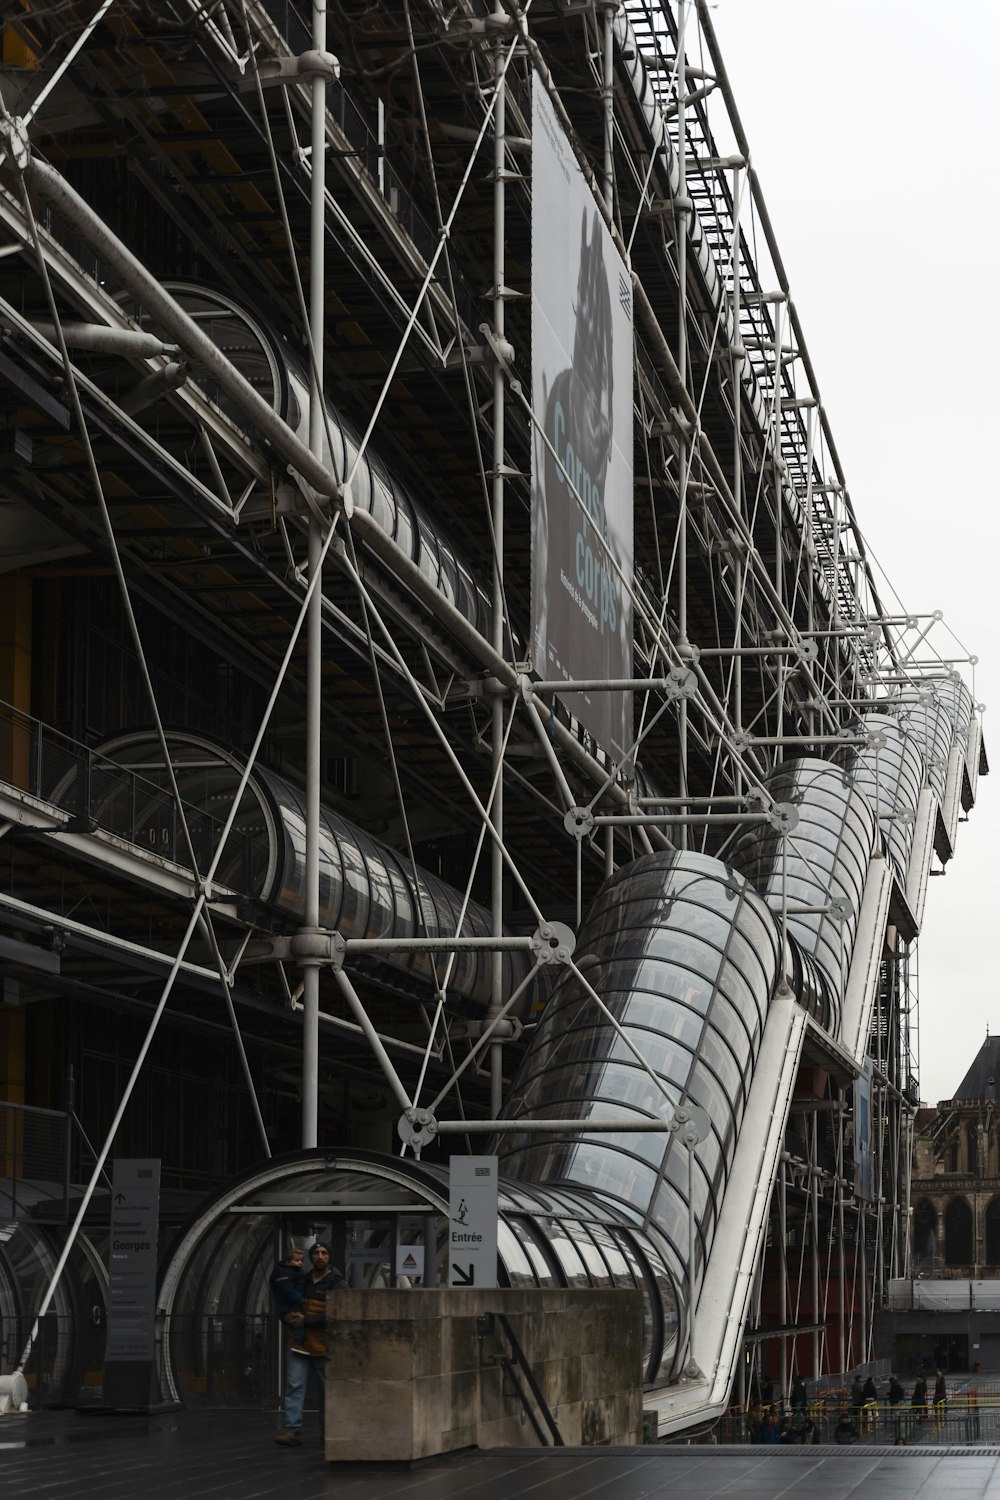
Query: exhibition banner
581,379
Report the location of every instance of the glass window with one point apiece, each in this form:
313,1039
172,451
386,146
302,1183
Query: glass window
618,1264
563,1248
514,1258
597,1266
405,526
536,1251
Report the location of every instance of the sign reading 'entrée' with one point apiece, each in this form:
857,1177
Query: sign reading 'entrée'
472,1227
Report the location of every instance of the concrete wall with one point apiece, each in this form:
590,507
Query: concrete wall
413,1373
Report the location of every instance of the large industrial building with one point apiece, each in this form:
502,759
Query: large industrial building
447,703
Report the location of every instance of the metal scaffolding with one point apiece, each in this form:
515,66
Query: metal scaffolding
265,375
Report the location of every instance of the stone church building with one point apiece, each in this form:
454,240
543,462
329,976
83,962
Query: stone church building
955,1191
947,1313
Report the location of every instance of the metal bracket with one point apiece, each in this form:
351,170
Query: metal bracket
316,947
579,823
553,943
690,1124
283,72
480,28
680,682
841,909
503,349
783,816
417,1128
14,133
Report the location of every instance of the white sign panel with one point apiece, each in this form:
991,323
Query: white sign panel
135,1209
472,1214
410,1260
581,395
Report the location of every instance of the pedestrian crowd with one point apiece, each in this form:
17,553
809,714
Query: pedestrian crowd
772,1422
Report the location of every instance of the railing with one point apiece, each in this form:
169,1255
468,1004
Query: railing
517,1368
973,1416
67,1356
34,1163
225,1359
295,24
938,1294
99,793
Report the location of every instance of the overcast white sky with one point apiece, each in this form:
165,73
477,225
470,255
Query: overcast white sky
874,126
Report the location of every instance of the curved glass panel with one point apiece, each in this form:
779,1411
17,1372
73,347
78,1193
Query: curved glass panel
513,1257
929,722
688,926
65,1364
826,856
891,778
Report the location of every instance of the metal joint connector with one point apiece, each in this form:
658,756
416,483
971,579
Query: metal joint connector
317,947
319,64
681,682
417,1128
503,349
841,909
783,817
14,137
553,943
579,822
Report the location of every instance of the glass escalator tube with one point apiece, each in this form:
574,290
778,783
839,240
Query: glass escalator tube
684,955
367,890
891,776
825,857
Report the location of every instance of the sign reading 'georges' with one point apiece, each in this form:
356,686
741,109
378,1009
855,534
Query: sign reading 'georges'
581,376
135,1204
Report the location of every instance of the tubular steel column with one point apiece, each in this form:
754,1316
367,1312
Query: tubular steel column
814,1206
314,623
779,506
783,1272
738,357
609,202
681,210
496,851
841,1270
608,91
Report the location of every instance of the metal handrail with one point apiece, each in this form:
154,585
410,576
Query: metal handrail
511,1364
98,793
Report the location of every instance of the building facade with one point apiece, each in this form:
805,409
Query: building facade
956,1178
447,702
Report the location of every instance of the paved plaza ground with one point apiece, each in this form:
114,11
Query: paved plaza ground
217,1455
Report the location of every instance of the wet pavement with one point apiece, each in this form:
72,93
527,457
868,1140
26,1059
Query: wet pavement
187,1455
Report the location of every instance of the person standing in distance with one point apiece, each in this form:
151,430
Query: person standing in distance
305,1356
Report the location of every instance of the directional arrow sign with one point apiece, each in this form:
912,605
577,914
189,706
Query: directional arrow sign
472,1230
132,1259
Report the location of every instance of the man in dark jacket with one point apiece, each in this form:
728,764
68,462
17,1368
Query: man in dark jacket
305,1356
